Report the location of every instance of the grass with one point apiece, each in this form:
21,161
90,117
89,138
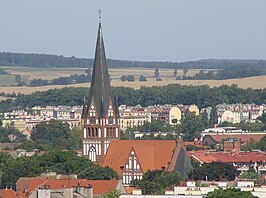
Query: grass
7,80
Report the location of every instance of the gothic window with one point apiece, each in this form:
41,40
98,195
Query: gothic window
132,169
89,132
110,120
92,115
110,111
92,120
92,154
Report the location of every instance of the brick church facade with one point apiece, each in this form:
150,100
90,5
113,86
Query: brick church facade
101,134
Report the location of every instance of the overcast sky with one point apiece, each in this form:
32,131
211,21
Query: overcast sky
159,30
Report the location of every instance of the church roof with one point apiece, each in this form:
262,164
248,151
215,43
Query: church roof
152,154
100,90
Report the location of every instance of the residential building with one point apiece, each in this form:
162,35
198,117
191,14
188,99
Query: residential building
133,116
53,185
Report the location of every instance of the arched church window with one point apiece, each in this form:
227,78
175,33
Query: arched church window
92,154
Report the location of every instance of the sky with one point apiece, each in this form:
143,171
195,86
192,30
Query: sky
144,30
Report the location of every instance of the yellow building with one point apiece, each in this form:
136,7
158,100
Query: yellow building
194,108
175,116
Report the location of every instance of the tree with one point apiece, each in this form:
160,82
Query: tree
31,145
57,135
262,118
114,193
215,171
175,72
123,78
130,78
4,132
142,78
230,192
191,126
61,162
252,144
156,181
18,78
156,73
205,119
185,71
213,117
38,82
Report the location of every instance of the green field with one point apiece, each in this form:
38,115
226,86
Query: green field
7,80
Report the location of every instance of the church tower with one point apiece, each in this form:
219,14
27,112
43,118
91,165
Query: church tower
100,116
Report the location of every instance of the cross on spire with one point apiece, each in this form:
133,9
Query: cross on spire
100,14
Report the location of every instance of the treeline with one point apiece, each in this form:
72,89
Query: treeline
227,74
63,80
61,162
45,60
202,96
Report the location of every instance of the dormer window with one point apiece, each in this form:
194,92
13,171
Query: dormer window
92,111
110,111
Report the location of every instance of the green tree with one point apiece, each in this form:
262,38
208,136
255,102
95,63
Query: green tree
157,181
215,171
57,135
213,117
156,73
130,78
88,74
185,71
191,126
252,144
123,78
4,132
205,119
175,72
114,193
142,78
18,79
230,192
31,145
61,162
263,120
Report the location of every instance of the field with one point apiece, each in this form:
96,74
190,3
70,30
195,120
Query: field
166,75
52,73
43,73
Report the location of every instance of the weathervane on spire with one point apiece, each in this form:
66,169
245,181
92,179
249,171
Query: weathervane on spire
100,14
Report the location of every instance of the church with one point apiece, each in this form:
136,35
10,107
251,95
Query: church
101,133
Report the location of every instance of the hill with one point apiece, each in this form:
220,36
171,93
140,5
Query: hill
45,60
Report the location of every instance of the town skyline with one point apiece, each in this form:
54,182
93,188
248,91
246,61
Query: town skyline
173,31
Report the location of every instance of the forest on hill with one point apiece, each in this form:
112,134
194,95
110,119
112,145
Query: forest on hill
202,96
45,60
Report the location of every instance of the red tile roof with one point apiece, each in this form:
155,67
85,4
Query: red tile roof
152,154
99,186
8,193
244,138
243,157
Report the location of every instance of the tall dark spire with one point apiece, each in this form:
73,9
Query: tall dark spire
100,116
100,90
